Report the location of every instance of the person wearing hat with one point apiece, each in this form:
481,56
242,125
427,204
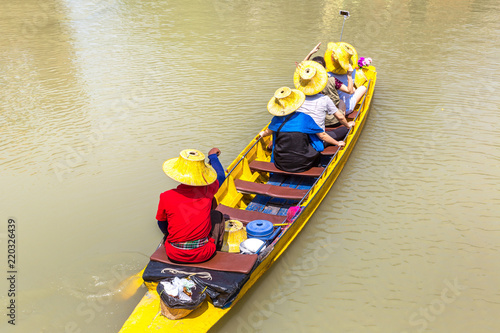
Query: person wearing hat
333,86
339,58
193,229
296,146
311,78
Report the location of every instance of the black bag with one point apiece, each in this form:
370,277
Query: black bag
293,152
222,287
176,303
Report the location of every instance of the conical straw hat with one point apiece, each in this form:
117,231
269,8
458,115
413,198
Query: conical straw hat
285,101
310,77
360,78
338,56
190,169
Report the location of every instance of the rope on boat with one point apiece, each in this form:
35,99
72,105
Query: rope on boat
202,275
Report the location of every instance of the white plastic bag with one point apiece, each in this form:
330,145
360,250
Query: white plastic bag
175,288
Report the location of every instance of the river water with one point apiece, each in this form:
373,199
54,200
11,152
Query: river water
95,95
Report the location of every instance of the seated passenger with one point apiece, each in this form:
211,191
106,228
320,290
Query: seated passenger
193,230
338,59
296,147
311,78
300,136
331,90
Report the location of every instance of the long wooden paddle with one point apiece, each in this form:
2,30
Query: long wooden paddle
129,286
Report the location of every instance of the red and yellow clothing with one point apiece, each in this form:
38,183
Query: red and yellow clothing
187,210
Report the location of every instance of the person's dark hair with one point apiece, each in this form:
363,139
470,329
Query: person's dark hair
320,60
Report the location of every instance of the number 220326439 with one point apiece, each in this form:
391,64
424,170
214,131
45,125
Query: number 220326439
11,270
11,244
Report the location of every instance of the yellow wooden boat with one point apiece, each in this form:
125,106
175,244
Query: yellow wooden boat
255,189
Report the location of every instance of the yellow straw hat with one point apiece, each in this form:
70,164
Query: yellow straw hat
285,101
310,77
338,56
190,169
360,78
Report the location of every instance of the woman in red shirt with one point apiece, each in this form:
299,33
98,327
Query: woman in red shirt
194,231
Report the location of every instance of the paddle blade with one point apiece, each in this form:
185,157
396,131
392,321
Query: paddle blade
129,286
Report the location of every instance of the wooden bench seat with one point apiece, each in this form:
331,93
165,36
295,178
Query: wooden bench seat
222,261
269,190
270,167
331,128
352,115
246,216
330,150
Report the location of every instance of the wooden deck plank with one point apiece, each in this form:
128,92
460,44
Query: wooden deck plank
246,216
269,190
278,206
221,261
270,167
330,150
352,115
274,206
258,203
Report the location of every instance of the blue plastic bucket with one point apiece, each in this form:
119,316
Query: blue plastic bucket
261,229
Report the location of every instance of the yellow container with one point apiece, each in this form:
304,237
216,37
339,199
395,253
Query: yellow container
234,234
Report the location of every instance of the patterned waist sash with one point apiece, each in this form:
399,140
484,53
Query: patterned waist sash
194,244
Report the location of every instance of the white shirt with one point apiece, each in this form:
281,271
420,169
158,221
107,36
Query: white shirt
318,106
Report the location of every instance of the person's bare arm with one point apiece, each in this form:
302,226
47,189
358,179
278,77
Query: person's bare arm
314,50
264,133
350,83
328,139
341,118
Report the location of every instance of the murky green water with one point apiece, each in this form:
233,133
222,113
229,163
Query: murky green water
95,95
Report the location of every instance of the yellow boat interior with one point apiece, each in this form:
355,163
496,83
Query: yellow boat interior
255,190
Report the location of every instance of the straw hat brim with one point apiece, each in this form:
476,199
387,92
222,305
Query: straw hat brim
316,84
341,65
193,173
289,104
360,78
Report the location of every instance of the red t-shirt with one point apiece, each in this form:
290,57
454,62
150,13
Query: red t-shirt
187,212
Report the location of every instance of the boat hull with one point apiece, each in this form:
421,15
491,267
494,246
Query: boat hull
146,316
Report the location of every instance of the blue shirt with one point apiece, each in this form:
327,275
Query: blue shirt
299,122
347,98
